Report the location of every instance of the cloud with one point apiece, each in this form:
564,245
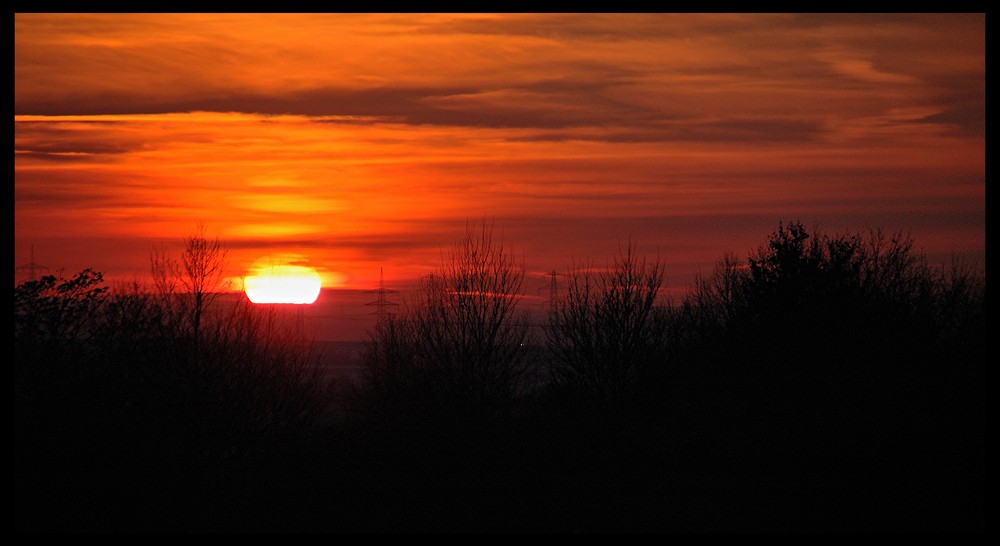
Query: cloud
53,141
965,114
368,139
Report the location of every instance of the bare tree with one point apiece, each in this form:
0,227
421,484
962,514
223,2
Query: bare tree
467,317
463,330
187,288
718,298
606,329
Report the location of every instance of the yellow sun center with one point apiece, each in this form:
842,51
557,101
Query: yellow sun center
283,284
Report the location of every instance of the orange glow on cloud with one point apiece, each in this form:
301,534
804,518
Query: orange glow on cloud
368,141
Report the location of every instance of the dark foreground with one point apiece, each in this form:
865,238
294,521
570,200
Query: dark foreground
529,477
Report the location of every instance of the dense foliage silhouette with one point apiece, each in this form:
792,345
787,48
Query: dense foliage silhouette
822,383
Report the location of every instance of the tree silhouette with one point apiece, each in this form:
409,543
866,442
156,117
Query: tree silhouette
607,330
828,341
462,339
52,310
189,287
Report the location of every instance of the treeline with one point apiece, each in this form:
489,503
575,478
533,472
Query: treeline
824,382
131,403
825,338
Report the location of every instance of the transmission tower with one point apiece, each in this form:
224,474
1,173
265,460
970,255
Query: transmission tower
553,290
31,267
381,304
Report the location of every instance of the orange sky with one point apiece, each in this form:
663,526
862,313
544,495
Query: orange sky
357,142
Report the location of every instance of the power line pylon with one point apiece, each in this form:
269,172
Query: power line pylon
31,267
553,290
381,303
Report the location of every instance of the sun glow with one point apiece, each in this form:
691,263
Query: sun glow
283,284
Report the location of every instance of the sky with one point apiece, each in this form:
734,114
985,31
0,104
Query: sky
366,143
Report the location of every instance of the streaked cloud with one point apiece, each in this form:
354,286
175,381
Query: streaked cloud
363,140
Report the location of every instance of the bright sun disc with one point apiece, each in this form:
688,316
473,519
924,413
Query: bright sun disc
283,284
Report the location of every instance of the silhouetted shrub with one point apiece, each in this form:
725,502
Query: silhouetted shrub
56,353
51,312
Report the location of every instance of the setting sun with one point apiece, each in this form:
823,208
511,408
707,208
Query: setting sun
283,284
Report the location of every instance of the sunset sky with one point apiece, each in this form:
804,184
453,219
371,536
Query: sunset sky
354,142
